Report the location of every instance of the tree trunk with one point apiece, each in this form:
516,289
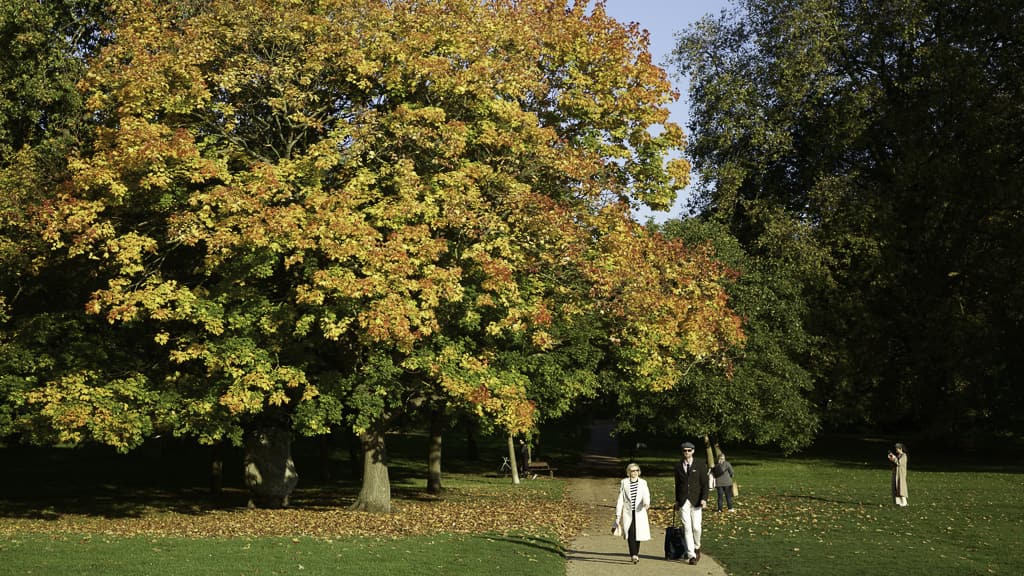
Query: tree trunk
434,452
512,459
324,445
217,468
269,471
355,456
710,454
472,452
375,495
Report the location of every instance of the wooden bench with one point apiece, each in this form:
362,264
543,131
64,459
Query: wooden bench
538,466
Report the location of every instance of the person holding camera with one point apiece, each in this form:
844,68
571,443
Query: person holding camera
898,460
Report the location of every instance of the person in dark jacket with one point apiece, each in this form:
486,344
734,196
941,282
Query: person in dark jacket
723,481
691,498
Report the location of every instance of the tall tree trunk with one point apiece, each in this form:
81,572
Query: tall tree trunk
434,452
217,468
472,452
324,445
375,495
710,454
269,470
512,459
355,455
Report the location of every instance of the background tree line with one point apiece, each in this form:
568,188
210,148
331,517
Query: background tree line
873,150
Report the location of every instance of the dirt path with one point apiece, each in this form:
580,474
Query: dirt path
595,552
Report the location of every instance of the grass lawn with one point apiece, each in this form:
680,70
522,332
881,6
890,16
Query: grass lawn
813,515
441,555
823,512
92,512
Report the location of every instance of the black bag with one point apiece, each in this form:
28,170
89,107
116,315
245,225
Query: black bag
675,546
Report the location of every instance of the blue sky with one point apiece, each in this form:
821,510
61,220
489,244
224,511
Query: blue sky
662,19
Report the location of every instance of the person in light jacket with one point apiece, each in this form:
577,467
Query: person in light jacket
723,481
898,460
631,511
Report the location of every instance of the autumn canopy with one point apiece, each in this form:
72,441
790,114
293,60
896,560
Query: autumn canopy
326,213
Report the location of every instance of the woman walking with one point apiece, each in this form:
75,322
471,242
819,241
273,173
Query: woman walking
631,511
723,481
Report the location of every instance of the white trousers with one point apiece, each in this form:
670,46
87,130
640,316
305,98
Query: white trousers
691,527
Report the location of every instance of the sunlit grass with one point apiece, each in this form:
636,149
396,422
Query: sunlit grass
441,555
125,515
827,513
804,516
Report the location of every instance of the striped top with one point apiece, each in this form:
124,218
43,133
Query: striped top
632,492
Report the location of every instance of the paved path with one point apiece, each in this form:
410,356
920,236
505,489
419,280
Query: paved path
595,552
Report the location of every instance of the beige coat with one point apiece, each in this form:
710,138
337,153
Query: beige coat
624,514
899,477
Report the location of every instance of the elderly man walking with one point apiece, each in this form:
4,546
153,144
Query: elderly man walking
691,498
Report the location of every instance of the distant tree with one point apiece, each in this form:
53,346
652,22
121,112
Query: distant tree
765,398
45,47
878,146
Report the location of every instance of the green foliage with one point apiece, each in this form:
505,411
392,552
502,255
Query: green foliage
45,46
42,325
764,398
874,148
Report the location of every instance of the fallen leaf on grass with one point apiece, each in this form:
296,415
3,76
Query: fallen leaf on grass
502,513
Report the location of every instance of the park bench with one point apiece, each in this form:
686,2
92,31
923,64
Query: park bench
538,466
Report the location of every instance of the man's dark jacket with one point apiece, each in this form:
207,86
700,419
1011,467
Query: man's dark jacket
692,485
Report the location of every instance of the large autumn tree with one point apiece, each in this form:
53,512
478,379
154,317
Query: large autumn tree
877,145
325,213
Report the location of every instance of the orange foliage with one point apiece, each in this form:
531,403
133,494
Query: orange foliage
348,171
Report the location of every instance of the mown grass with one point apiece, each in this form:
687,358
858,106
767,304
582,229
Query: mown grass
440,555
91,511
826,511
813,515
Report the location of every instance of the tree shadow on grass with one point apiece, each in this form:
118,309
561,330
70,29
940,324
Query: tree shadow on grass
546,545
114,502
46,483
842,501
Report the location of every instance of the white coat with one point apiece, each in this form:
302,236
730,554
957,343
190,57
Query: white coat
625,515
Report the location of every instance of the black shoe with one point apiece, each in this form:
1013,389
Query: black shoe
698,554
693,561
